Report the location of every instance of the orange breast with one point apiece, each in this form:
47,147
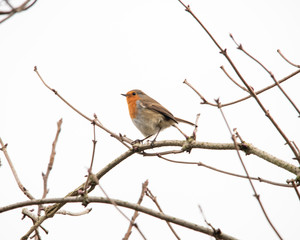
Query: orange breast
131,101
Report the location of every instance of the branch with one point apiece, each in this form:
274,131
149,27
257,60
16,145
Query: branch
235,82
154,199
136,213
96,122
23,189
251,91
13,10
120,203
51,161
244,98
257,196
293,64
200,164
240,47
216,231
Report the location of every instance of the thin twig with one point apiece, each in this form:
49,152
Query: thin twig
199,94
216,231
251,91
244,98
93,155
196,126
200,164
235,82
294,185
33,217
23,189
97,123
135,215
154,199
14,10
240,47
116,206
50,164
293,64
257,196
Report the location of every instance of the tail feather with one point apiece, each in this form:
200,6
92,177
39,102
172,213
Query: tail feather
184,121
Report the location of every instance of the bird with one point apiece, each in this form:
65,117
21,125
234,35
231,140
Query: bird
149,116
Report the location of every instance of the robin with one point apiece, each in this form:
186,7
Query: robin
148,115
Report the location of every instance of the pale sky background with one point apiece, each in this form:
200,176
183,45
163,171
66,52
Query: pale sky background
90,52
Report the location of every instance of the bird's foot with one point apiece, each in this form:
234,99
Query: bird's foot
140,141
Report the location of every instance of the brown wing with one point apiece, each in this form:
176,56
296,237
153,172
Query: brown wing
156,106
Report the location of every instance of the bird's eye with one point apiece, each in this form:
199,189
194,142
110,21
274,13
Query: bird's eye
134,93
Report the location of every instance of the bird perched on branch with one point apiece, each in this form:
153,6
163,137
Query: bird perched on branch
149,116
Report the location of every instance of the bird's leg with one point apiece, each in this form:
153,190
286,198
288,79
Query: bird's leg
141,140
180,131
152,143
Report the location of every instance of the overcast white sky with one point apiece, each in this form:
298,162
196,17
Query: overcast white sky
90,52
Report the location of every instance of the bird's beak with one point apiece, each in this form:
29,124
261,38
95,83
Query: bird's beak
125,95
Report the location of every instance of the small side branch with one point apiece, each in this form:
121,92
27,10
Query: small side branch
256,195
13,10
51,161
249,88
23,189
288,61
136,213
240,47
154,199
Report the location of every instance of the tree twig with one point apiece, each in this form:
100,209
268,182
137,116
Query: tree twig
288,61
23,189
93,155
216,231
154,199
292,181
251,91
257,196
244,98
120,203
240,47
50,164
14,10
135,214
235,82
200,164
118,209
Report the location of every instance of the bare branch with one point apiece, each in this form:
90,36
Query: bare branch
118,209
135,215
97,123
23,189
50,164
13,10
93,155
154,199
251,91
216,231
233,136
120,203
240,47
293,64
200,164
235,82
244,98
33,217
293,182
